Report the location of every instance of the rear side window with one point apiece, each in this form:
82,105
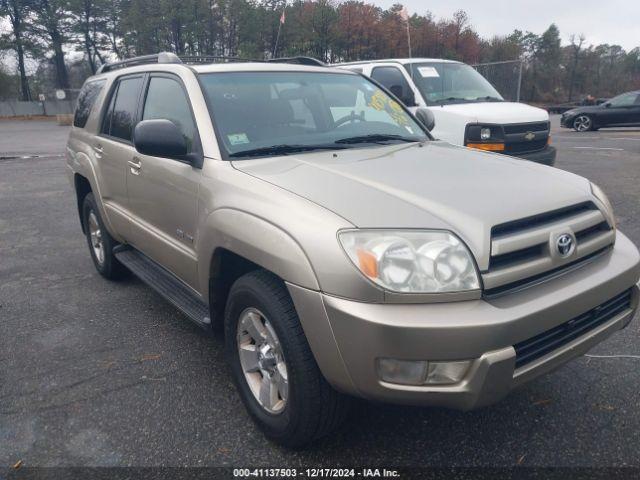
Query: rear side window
121,116
166,100
86,100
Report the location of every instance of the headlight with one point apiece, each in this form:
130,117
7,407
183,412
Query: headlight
412,261
600,195
485,137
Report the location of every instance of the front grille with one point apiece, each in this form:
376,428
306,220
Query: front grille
516,137
526,146
523,250
526,127
547,342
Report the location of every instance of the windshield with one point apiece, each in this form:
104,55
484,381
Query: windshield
446,83
277,113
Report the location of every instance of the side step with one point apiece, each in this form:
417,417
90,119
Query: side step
165,283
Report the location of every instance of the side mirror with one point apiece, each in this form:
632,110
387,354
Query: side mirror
607,105
408,98
425,116
160,138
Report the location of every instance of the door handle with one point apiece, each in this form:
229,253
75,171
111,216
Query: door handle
98,149
135,165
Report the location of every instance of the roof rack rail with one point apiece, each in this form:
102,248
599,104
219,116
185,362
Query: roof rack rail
314,62
162,57
214,59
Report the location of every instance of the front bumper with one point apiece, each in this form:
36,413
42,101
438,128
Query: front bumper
566,121
546,156
347,337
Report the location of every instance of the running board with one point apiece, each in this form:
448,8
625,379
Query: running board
165,283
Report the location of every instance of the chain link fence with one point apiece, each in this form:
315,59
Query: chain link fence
505,76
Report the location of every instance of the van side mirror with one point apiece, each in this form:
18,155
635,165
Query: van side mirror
425,116
607,105
407,97
160,138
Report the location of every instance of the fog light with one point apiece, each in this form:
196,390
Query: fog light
443,373
406,372
485,133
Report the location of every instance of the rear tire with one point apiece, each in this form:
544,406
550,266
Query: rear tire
100,242
308,407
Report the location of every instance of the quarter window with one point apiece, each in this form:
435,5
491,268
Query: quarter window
166,100
86,100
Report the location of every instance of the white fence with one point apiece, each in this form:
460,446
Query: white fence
12,108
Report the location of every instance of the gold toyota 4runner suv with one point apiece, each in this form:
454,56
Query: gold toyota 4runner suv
344,252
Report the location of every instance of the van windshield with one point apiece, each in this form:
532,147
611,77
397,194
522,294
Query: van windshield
446,83
260,114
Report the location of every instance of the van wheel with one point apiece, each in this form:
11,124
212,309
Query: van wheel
272,365
100,242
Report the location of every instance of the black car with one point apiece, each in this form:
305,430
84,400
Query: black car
620,111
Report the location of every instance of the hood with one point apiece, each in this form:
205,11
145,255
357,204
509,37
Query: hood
497,112
584,109
437,186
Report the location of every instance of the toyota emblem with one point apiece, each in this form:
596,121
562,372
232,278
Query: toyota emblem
564,244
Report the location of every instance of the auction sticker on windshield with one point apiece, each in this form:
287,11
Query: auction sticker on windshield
428,72
238,139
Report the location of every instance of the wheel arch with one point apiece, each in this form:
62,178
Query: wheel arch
234,242
82,188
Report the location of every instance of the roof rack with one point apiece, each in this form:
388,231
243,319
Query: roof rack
162,57
168,57
214,59
310,61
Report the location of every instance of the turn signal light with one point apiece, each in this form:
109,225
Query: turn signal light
490,147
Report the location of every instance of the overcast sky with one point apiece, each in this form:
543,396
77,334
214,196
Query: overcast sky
601,21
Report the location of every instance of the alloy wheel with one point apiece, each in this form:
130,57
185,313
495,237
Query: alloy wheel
96,237
582,123
262,360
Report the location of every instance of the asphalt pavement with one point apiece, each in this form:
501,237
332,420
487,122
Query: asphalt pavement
96,373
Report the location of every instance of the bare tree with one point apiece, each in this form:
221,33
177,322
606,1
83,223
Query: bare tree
576,48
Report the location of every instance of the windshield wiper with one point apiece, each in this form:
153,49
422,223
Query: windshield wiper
455,99
377,138
284,150
489,98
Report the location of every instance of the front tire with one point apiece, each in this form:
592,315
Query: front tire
583,123
100,242
272,365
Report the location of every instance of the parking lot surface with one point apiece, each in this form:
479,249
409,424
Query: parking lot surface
100,373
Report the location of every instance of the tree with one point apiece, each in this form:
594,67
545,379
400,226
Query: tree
52,25
18,13
88,19
575,49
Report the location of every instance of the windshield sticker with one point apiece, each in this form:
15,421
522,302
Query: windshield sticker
238,138
378,100
428,72
383,103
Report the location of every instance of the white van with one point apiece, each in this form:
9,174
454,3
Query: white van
468,110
